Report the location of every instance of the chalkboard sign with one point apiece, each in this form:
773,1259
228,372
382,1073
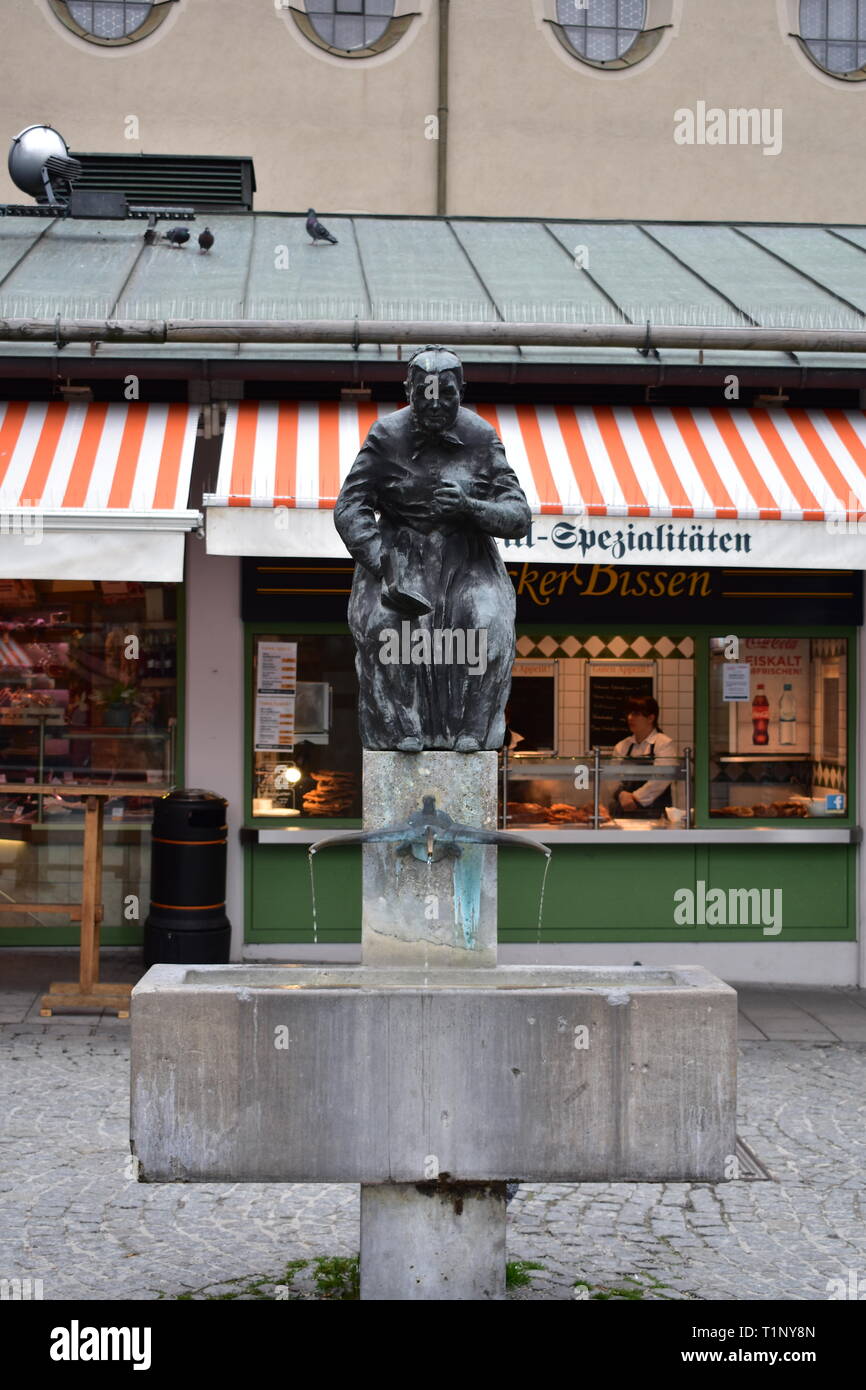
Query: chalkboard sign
608,702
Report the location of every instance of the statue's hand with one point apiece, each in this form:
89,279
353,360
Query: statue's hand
452,500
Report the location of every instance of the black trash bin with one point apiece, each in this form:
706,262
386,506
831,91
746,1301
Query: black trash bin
187,922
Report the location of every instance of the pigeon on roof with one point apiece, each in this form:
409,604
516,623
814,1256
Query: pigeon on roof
206,239
177,236
316,231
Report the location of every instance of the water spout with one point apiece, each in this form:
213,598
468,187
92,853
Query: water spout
429,835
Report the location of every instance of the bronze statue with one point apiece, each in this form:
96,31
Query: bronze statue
432,608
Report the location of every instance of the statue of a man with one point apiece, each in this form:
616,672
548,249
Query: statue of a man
432,608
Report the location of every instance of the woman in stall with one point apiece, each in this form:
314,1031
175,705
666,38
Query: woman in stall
643,800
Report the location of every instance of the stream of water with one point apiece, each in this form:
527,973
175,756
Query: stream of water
310,854
547,860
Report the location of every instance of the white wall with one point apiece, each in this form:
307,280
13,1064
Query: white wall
214,702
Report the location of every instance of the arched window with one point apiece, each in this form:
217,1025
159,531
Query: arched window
350,24
601,31
833,33
111,22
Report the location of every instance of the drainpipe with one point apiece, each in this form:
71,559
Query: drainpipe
442,113
388,332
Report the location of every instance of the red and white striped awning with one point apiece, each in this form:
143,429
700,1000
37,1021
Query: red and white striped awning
745,468
795,465
76,479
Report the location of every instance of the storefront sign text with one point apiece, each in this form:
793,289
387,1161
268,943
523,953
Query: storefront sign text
663,538
539,586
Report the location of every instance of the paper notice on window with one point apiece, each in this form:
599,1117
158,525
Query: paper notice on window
277,667
275,723
735,680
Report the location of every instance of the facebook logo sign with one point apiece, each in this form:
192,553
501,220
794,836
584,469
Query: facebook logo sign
836,801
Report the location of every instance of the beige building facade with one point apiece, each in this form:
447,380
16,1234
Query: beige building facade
715,111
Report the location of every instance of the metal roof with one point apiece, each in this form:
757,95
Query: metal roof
445,269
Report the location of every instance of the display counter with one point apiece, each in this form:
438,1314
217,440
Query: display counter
760,834
560,793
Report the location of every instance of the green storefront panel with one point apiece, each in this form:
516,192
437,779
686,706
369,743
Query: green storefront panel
281,895
816,884
623,892
594,893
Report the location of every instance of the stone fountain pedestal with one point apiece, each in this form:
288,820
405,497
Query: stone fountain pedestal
442,913
431,1240
429,1074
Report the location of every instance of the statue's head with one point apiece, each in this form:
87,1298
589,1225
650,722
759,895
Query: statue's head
434,388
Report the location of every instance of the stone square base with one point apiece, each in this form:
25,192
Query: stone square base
429,914
433,1241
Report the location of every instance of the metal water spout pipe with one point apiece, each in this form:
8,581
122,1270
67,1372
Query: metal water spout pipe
429,830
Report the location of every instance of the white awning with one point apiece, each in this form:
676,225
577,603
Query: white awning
95,491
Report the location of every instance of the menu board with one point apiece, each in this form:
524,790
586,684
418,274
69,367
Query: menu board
277,667
276,682
611,686
275,723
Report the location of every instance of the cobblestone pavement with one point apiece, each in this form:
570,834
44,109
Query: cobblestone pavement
71,1215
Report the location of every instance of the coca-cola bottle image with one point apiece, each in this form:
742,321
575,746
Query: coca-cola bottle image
760,718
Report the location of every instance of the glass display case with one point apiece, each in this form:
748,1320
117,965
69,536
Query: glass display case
88,693
573,793
778,728
306,754
88,697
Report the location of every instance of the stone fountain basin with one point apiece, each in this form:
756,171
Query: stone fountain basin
270,1073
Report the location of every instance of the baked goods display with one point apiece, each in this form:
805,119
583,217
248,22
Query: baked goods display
527,813
334,794
786,810
560,813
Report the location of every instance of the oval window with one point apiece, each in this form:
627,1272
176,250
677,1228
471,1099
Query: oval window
110,19
601,31
350,24
833,32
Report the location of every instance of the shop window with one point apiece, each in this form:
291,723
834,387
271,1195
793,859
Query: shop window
573,750
88,697
833,34
778,727
112,21
306,748
606,33
352,28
